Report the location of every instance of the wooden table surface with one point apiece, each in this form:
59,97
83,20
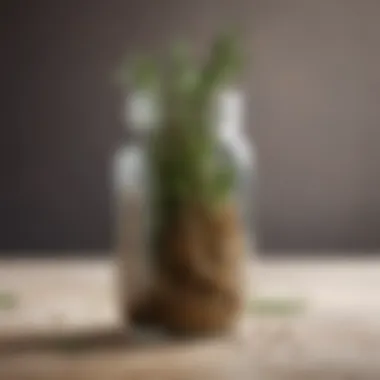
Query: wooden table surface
65,326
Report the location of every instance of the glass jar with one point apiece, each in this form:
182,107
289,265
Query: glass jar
195,292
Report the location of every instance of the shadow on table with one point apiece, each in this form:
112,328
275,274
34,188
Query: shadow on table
112,339
102,339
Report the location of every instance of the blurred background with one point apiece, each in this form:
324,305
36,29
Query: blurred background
313,83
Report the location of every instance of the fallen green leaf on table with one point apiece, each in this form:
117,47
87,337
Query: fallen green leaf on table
271,306
7,301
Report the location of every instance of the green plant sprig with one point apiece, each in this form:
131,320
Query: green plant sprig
183,157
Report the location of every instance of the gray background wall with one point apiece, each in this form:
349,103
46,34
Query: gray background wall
314,86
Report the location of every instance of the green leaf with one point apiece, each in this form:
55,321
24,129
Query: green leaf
144,74
7,301
277,306
141,74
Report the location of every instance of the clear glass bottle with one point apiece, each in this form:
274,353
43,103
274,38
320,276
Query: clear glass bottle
134,210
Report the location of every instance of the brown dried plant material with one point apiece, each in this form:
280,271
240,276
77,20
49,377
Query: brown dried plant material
198,284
